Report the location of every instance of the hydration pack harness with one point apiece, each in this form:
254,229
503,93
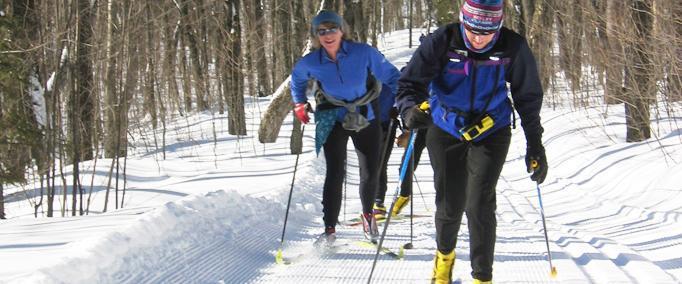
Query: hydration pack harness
353,120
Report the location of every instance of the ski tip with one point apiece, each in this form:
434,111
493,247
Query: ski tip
553,273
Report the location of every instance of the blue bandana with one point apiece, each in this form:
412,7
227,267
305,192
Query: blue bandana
324,123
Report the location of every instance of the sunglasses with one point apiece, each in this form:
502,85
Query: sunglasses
479,32
322,32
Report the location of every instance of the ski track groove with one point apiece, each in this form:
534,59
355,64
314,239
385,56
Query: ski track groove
196,261
598,247
604,257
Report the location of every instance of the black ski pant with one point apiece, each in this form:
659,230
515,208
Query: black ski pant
419,144
465,176
366,143
406,185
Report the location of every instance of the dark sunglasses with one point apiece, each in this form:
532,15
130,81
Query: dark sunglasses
478,32
322,32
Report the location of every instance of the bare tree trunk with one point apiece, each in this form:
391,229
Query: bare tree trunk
55,125
249,47
236,114
186,74
640,84
595,12
2,201
615,59
76,150
540,38
197,68
110,82
150,74
674,72
278,109
355,17
85,89
204,56
375,20
281,33
260,49
570,39
418,13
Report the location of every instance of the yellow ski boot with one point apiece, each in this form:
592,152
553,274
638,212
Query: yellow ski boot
400,203
442,268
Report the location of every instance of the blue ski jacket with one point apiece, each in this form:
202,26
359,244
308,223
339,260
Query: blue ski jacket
346,78
462,86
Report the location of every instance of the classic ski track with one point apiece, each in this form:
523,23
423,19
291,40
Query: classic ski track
192,260
520,243
353,264
595,246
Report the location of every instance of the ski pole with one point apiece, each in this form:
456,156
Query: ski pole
552,269
414,176
409,245
383,163
345,181
403,170
279,259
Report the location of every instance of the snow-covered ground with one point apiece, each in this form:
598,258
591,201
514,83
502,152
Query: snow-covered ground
213,211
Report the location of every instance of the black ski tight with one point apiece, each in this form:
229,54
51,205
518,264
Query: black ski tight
367,147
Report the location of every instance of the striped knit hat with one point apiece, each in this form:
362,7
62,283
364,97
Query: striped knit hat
482,15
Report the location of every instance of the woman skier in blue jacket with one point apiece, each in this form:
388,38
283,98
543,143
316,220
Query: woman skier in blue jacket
462,71
348,77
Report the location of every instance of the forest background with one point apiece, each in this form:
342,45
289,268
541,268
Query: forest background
80,78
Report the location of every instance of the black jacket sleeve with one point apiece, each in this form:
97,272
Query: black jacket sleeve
527,92
426,63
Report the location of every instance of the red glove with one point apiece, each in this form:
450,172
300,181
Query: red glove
301,111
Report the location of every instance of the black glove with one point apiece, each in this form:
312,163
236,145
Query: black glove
415,118
393,113
536,163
